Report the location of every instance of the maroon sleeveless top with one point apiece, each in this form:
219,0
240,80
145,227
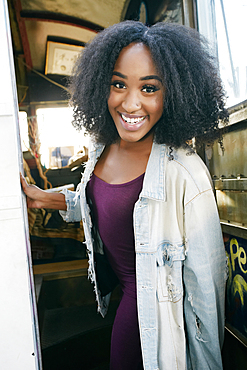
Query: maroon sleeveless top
113,206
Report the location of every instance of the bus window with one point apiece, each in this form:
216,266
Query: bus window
58,138
224,24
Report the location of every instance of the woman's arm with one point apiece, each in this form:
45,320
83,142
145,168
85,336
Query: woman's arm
37,198
204,282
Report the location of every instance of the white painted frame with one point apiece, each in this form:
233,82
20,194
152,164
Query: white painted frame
19,339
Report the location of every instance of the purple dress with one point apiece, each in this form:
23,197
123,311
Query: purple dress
113,206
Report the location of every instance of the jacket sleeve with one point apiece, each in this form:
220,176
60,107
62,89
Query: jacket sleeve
72,199
204,283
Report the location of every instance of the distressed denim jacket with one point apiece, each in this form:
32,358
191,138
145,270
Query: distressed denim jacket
180,260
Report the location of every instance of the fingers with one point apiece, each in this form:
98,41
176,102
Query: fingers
28,192
35,195
23,183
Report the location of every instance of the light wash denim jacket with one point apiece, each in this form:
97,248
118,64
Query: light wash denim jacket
180,260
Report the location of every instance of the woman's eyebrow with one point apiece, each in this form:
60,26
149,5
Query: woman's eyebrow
151,77
119,75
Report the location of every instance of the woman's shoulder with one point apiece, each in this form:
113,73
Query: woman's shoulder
186,156
191,167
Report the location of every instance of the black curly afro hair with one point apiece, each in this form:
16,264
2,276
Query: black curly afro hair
194,99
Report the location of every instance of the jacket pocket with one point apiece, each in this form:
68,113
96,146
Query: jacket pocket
169,278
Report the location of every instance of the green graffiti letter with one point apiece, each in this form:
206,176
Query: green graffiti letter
233,254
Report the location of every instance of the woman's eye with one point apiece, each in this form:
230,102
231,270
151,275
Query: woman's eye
118,85
150,88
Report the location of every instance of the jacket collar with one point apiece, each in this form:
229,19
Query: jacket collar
154,179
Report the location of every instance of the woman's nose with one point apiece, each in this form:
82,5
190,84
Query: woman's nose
131,103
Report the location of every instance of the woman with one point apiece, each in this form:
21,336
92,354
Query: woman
146,201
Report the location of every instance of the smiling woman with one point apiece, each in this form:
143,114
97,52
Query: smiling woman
148,209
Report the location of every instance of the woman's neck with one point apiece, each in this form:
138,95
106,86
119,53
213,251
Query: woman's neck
124,161
142,146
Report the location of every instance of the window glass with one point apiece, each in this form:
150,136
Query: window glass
59,140
223,22
231,29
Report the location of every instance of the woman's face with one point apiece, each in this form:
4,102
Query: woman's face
136,97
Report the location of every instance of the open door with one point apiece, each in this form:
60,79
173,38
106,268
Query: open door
19,348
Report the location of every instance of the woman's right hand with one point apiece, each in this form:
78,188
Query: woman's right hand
38,198
35,195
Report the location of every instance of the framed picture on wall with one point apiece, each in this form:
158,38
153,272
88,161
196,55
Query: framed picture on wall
60,58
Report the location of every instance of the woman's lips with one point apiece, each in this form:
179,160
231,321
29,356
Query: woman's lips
130,122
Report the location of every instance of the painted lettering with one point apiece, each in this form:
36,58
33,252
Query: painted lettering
237,254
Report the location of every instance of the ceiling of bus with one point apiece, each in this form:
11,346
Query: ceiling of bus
75,22
99,12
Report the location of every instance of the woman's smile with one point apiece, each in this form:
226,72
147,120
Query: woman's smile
131,122
136,97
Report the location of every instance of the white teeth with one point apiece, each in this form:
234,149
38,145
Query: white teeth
132,121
